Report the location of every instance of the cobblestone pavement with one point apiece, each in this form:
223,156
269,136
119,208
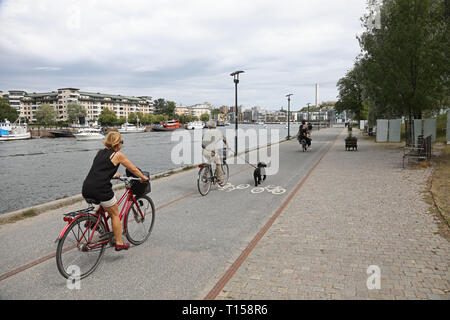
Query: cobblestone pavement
357,209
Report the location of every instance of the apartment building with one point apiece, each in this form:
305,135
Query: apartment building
195,110
94,103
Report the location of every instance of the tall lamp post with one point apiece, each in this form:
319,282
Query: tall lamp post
289,109
308,110
235,75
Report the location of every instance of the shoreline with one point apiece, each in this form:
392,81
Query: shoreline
32,211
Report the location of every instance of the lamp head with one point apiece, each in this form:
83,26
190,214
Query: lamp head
236,73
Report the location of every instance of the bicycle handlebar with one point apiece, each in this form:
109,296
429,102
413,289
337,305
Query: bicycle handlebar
124,178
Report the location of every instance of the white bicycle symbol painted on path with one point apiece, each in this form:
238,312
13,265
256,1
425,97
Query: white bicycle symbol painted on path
276,190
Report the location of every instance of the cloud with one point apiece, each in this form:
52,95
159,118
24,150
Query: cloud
47,68
181,50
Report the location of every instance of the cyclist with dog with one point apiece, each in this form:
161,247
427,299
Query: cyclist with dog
304,133
97,185
211,147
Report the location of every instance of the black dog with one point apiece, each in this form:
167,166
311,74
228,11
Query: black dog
259,172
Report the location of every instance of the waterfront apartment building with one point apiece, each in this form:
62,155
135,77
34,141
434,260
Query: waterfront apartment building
28,103
195,110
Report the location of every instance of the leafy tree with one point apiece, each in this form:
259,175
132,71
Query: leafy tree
164,107
74,111
139,117
132,118
351,92
204,117
46,114
7,112
406,57
107,117
120,121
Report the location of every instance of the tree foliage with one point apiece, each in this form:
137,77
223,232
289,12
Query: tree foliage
204,117
74,111
46,115
351,92
164,107
107,117
7,112
403,65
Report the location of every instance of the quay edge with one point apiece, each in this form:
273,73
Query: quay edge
60,203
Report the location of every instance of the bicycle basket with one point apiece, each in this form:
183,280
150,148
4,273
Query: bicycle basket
137,187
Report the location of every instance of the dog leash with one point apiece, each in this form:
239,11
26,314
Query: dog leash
243,159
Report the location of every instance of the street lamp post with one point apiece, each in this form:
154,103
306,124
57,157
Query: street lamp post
235,75
289,109
308,110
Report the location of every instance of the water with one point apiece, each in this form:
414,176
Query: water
40,170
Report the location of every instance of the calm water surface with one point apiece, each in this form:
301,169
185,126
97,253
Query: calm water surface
40,170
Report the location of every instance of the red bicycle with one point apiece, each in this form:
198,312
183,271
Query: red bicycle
83,241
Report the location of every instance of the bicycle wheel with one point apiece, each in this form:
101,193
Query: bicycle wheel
204,180
139,221
225,173
73,252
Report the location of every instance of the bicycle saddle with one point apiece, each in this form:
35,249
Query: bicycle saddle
92,201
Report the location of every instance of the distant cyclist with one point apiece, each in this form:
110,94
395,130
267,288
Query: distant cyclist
304,133
212,146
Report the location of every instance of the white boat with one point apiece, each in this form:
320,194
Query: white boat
130,128
14,131
89,134
194,125
261,122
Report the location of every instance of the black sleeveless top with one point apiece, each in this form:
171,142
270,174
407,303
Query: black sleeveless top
97,184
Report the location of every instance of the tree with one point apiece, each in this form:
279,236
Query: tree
7,112
74,111
46,114
406,57
132,118
204,117
351,92
107,117
164,107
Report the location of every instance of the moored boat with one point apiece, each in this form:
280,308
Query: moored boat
194,125
89,134
130,128
170,125
62,133
14,131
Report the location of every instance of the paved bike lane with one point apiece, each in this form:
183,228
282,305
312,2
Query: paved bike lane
194,241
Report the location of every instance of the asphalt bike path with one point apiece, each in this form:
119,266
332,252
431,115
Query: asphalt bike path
194,241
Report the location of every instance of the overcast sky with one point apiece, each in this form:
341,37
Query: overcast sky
182,51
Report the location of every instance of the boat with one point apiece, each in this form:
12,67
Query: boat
62,133
14,131
130,128
194,125
261,122
89,134
170,125
160,127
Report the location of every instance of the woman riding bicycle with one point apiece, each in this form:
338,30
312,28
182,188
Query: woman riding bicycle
97,185
304,133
